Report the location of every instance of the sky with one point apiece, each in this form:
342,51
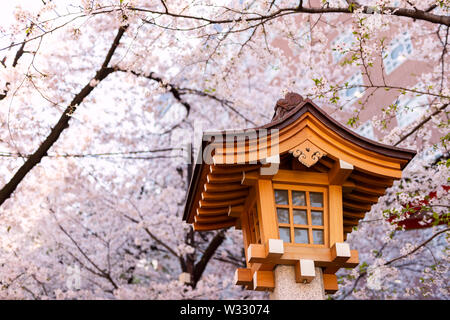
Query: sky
7,15
8,6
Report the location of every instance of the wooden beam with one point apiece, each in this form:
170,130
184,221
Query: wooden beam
304,271
327,162
348,186
224,195
213,226
235,211
303,177
263,280
320,168
340,252
352,262
352,223
372,190
372,180
361,198
221,204
355,215
339,173
356,206
274,248
348,229
211,211
221,169
243,277
330,283
223,187
211,219
256,253
332,269
223,178
249,179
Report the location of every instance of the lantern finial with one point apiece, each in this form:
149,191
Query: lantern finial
283,106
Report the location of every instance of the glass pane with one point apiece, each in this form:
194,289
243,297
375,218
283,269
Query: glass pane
300,217
283,215
316,199
318,236
285,234
281,197
298,198
301,235
316,218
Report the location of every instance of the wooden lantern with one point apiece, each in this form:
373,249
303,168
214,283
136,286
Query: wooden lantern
296,187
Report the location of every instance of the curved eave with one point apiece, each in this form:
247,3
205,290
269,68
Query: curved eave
349,135
209,211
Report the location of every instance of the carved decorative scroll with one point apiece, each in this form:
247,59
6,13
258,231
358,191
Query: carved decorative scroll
307,153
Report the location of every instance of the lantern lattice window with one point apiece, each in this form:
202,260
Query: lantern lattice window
301,214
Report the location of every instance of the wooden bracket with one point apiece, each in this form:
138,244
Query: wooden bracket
340,172
243,277
263,280
249,178
330,283
340,252
304,271
235,211
256,253
340,260
274,248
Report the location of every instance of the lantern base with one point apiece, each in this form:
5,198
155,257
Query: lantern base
286,287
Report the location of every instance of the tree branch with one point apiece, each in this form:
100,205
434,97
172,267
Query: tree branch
394,11
418,247
62,124
420,124
102,272
207,255
177,92
171,88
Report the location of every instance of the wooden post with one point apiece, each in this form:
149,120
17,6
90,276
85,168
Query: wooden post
266,210
335,215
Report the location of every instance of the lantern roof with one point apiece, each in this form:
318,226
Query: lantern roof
304,131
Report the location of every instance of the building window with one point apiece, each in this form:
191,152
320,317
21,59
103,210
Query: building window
366,130
301,214
340,45
398,50
354,85
410,109
253,225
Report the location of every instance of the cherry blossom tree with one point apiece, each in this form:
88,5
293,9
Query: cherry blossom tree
100,102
